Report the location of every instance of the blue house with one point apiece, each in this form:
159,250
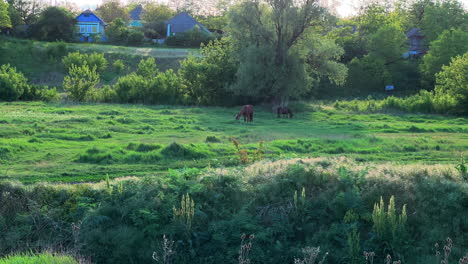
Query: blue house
89,27
183,22
135,17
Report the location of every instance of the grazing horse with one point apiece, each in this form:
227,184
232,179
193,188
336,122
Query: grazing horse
247,112
283,110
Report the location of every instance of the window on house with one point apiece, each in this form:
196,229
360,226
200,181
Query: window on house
94,29
89,29
83,29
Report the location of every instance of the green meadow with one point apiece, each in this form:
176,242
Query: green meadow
46,142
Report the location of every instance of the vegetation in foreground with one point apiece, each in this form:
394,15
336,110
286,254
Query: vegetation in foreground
343,206
76,143
45,258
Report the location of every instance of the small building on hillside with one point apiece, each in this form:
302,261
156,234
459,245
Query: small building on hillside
90,27
415,41
135,17
182,22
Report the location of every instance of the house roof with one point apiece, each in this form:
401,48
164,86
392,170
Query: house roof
414,32
183,22
135,14
89,16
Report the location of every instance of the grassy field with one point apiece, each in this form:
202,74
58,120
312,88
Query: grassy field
77,143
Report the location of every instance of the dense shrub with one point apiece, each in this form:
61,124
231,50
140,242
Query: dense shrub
56,50
147,68
12,83
40,93
295,203
451,90
148,85
135,37
191,38
80,82
422,102
91,60
54,23
131,88
119,66
450,43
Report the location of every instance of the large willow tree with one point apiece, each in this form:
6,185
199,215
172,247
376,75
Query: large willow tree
281,49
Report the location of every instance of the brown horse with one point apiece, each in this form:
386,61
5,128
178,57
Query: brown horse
247,112
283,110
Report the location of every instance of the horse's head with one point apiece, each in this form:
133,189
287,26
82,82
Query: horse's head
238,116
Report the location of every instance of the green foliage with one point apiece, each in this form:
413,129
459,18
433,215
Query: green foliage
462,168
192,38
135,37
389,226
40,93
45,258
186,212
354,247
389,43
93,60
147,68
5,21
12,83
55,23
452,82
438,16
154,17
207,78
272,58
148,85
111,10
450,43
80,82
117,31
131,88
119,66
56,50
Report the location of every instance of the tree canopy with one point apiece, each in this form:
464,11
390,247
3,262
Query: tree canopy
55,23
110,10
5,21
267,37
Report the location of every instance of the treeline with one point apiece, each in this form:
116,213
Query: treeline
336,205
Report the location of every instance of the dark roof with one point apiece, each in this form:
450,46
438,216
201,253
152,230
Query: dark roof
89,16
136,13
183,22
414,32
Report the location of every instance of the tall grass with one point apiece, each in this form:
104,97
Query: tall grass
45,258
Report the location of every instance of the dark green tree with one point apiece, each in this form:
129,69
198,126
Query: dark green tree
117,31
449,44
55,23
268,43
25,12
443,15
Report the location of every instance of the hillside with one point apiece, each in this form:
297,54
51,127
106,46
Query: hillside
41,63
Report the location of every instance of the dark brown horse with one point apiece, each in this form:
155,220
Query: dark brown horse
247,112
283,110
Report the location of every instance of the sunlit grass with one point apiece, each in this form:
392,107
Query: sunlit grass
75,143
